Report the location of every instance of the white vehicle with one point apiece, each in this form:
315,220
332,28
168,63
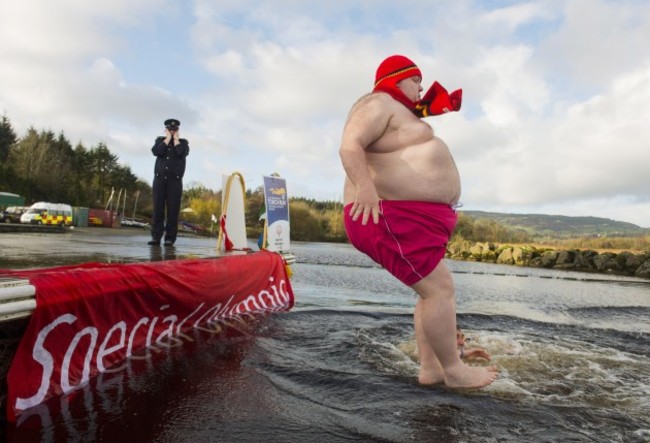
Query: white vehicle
134,222
44,213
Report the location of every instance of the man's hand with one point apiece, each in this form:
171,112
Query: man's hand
476,353
365,204
168,137
171,137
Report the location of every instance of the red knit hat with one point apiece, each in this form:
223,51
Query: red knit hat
390,72
395,68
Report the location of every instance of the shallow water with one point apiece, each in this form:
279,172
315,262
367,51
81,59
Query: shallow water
572,350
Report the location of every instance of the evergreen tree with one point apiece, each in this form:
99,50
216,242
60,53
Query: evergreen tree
7,142
102,165
7,139
81,194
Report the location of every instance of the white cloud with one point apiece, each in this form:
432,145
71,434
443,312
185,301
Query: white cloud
513,90
598,40
512,17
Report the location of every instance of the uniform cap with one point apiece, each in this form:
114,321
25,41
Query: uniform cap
172,122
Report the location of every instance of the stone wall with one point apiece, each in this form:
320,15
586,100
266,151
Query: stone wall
623,263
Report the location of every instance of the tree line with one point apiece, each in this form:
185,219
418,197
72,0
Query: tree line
482,230
44,166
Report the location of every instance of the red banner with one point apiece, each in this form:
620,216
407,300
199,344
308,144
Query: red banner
92,317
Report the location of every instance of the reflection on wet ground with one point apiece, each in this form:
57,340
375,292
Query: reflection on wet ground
50,248
104,245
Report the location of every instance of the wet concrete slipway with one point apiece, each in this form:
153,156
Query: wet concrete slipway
35,247
55,247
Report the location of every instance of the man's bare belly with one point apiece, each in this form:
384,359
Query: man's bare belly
422,172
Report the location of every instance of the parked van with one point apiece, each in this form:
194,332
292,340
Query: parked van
43,213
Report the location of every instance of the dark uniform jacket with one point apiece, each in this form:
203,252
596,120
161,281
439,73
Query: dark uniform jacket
170,160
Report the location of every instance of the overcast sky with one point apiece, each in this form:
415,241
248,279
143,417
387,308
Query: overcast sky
556,93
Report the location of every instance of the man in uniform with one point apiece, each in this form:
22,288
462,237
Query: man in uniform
400,192
170,152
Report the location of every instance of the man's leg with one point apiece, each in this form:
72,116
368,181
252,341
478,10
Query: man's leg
437,315
174,194
430,368
157,223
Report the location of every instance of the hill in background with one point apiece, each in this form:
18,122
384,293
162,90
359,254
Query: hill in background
560,226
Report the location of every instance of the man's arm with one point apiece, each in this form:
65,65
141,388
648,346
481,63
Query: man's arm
366,123
182,148
159,147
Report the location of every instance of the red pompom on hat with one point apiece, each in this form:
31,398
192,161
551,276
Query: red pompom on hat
390,72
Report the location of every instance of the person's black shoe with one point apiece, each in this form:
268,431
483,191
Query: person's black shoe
169,243
154,243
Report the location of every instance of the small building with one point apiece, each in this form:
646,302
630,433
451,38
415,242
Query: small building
9,199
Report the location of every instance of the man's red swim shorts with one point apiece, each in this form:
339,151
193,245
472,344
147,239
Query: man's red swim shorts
409,240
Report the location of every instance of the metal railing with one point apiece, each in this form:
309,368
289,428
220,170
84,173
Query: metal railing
17,299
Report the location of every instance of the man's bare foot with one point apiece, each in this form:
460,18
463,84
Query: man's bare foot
431,372
430,377
470,377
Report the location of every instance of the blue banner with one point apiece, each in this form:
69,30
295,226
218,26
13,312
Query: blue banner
277,214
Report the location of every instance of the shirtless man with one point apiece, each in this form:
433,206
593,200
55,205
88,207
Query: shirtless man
400,191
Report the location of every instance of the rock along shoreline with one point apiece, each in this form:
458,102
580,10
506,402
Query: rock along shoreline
622,263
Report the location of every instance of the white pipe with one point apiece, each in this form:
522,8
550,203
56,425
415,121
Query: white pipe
23,306
18,291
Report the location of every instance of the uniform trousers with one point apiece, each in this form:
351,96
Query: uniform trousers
166,207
